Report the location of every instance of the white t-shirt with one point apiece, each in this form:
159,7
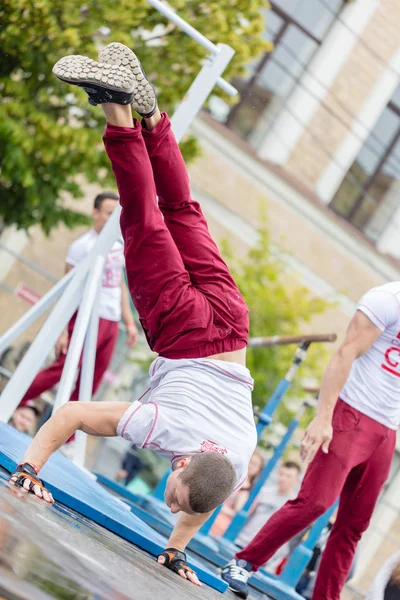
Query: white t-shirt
110,290
195,405
373,386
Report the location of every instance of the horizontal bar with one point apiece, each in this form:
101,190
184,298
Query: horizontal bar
29,263
171,15
226,87
280,340
198,37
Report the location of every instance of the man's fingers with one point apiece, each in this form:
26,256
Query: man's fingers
325,446
305,447
193,578
47,496
182,573
161,560
26,484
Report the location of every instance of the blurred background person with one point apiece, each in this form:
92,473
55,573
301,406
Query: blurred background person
130,467
24,418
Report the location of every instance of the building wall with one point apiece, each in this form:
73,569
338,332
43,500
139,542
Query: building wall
377,44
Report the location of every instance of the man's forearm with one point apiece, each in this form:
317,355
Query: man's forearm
186,527
52,435
334,379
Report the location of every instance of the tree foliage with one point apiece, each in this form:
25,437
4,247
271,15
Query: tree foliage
279,305
49,135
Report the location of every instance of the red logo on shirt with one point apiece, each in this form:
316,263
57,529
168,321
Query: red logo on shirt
392,358
210,446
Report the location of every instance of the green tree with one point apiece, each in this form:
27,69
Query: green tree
279,305
49,135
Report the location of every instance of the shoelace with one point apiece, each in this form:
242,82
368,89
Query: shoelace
239,573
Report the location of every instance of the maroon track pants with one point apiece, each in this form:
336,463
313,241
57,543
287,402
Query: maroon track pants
355,468
46,379
187,301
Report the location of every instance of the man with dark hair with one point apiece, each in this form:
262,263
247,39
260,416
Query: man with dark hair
114,303
24,418
199,410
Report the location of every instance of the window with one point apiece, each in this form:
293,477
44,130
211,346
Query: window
296,28
368,195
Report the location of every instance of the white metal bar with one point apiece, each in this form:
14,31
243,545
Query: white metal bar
226,87
171,15
200,90
78,335
39,349
34,312
87,372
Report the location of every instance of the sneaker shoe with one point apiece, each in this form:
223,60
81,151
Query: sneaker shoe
103,83
144,95
236,574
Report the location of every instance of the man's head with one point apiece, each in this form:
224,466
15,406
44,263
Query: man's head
288,477
103,207
200,483
24,418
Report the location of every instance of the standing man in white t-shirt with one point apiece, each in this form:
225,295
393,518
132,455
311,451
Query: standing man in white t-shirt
113,304
350,443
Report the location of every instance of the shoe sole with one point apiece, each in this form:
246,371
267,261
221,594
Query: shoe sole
238,594
144,96
84,72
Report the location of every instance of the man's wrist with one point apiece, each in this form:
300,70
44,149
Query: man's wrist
130,323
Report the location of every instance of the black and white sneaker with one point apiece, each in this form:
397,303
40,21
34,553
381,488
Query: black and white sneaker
144,99
236,574
102,82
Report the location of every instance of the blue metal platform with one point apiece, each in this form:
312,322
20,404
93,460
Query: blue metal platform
77,490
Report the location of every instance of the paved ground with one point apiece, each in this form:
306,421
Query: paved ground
51,552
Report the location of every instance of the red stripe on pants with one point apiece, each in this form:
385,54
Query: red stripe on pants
356,467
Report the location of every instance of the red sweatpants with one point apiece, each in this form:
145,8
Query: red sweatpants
187,301
46,379
355,469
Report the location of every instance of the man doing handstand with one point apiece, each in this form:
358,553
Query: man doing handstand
198,412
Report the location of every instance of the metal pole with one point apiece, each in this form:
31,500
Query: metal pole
265,416
198,37
39,349
200,89
34,312
78,335
241,517
87,372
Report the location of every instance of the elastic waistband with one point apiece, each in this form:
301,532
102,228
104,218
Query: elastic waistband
208,349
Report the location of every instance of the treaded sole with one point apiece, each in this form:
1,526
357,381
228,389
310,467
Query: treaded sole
144,97
81,71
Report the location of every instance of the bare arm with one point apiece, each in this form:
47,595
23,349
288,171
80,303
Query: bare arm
94,418
360,336
186,527
127,315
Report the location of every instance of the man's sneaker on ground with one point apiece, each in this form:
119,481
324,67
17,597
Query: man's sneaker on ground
144,99
236,574
102,82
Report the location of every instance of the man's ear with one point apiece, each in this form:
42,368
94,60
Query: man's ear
183,462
